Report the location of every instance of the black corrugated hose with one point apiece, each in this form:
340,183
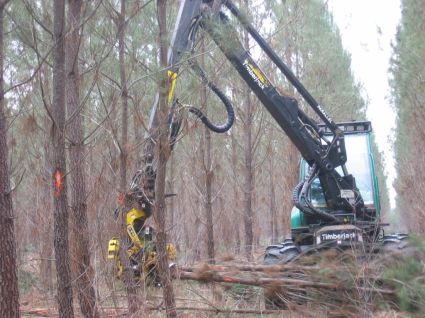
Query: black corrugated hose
227,104
299,197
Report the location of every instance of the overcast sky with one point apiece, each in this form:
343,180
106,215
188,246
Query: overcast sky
367,28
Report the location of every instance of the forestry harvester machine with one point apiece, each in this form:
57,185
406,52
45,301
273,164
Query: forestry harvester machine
336,202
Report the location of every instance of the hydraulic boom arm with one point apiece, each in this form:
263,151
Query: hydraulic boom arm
324,156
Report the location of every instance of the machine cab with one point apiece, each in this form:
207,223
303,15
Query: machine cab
360,164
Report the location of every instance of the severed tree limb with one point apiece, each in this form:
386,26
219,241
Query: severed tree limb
211,276
227,310
251,268
122,311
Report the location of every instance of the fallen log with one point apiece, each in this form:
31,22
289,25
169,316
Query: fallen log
40,312
207,309
209,276
250,268
228,310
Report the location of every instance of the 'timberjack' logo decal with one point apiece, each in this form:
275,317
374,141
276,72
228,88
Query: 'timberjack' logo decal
324,113
256,74
337,236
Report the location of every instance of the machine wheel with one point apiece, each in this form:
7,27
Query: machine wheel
394,242
285,252
281,253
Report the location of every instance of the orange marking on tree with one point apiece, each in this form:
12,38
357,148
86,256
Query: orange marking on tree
58,177
228,279
121,199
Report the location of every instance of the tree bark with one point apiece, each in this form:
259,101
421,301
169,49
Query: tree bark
292,156
208,176
128,272
236,220
162,152
170,185
248,173
124,98
272,194
212,276
79,222
64,288
232,268
9,294
46,253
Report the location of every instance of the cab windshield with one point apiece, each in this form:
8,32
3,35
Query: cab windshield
358,164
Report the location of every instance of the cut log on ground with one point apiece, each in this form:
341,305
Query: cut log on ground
209,276
250,268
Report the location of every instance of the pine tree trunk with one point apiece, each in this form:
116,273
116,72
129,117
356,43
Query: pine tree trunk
208,176
79,222
290,180
272,198
9,294
236,220
133,304
124,98
171,202
292,156
163,152
46,263
60,202
248,173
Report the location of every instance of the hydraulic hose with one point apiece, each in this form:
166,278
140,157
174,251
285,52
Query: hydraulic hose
299,197
296,198
226,102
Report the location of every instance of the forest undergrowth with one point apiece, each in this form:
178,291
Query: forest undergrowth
327,284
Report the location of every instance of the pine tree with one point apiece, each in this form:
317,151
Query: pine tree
79,221
408,69
9,294
61,212
162,152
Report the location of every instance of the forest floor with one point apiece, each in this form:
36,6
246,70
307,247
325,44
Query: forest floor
338,285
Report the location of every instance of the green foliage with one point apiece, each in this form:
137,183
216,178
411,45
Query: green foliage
405,274
27,280
313,49
406,277
240,291
408,88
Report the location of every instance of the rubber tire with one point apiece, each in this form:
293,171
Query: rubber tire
274,298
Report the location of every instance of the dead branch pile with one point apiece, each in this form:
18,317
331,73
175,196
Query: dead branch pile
347,282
